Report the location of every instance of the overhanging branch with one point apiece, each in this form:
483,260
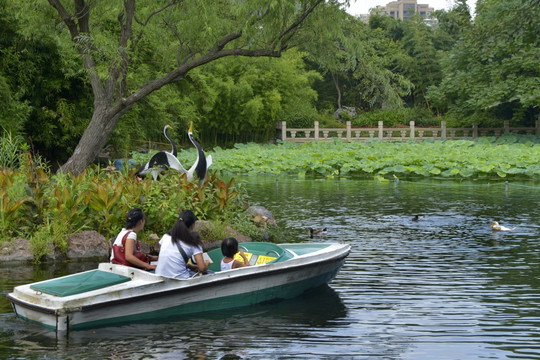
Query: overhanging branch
80,36
287,34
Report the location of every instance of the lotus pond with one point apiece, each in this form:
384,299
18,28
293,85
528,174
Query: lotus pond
483,158
509,156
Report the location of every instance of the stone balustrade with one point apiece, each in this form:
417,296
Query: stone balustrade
410,132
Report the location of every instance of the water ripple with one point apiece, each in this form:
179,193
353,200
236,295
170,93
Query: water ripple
446,287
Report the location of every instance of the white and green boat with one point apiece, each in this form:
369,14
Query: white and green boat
115,294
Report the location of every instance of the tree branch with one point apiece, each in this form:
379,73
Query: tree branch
80,36
224,41
118,68
66,18
82,14
138,38
178,73
288,33
214,53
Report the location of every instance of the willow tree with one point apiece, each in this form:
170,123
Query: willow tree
493,70
116,41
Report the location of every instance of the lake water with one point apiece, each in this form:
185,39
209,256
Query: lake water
446,287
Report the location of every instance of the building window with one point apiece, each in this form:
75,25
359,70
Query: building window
408,10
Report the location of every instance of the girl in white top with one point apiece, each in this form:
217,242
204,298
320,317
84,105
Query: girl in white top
229,248
171,262
135,221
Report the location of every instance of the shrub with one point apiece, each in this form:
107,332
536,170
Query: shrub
10,151
46,209
11,201
421,117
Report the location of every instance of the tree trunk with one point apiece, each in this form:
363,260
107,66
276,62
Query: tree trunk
94,138
109,101
336,83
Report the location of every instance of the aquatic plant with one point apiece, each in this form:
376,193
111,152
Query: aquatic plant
509,156
10,202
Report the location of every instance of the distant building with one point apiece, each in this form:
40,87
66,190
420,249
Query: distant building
404,9
378,10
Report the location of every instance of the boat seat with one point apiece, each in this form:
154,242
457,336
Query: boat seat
258,253
80,283
255,259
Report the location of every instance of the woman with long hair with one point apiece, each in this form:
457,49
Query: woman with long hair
178,245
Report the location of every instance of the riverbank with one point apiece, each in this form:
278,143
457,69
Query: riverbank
46,208
91,245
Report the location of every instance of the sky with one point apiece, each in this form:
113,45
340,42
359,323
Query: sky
362,6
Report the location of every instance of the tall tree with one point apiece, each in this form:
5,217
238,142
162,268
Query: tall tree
455,22
359,63
41,94
248,96
114,42
494,70
422,66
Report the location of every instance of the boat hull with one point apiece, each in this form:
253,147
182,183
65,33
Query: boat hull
166,298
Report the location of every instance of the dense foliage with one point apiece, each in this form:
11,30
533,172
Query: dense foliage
42,95
492,72
46,208
469,70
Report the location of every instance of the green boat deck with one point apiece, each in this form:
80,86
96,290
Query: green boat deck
79,283
265,252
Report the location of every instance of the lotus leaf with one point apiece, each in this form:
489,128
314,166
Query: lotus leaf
461,158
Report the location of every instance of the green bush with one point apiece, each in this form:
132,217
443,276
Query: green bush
46,208
327,119
392,117
486,119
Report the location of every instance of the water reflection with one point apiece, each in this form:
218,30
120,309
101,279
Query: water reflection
209,334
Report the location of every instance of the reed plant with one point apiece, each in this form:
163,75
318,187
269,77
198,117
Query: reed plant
10,150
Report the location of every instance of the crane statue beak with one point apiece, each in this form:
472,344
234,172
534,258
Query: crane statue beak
190,127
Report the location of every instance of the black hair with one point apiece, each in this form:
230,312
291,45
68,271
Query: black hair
229,247
133,217
180,229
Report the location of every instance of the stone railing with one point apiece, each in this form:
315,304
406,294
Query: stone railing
410,132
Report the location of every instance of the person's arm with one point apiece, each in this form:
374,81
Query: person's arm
201,265
238,264
132,259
